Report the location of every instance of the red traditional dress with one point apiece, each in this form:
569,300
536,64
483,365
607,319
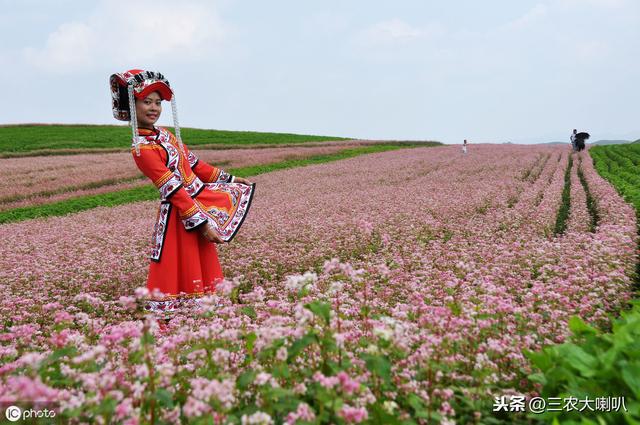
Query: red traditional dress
185,264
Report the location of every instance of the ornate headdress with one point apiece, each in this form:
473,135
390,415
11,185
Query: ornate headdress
136,83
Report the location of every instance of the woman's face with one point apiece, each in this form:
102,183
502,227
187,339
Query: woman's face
148,110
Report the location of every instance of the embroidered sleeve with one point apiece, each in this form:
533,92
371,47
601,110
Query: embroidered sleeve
193,159
152,163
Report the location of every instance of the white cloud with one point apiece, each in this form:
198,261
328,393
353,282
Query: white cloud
592,50
536,13
598,3
123,32
395,31
68,47
326,23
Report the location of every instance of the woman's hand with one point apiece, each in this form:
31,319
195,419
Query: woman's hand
242,180
211,234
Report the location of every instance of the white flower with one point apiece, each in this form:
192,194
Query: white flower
390,406
302,314
372,349
282,354
387,329
32,359
262,378
336,287
141,292
382,332
295,283
226,287
258,418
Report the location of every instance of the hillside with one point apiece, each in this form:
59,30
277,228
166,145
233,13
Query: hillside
611,142
38,137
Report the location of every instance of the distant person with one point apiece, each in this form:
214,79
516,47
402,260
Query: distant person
464,146
573,139
200,205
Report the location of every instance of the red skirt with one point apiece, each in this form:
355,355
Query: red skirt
185,264
188,268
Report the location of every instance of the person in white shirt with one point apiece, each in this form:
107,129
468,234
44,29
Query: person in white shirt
573,139
464,146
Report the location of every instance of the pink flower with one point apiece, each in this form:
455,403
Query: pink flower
51,306
348,385
366,226
59,339
281,354
326,381
446,409
124,409
194,408
353,415
128,302
141,292
29,389
223,391
303,413
225,287
62,316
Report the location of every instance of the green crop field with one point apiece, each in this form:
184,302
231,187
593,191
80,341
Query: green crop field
620,165
37,138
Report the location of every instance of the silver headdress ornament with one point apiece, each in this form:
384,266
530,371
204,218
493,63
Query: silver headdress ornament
136,83
133,120
176,125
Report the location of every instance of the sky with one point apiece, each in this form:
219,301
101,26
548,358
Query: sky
487,71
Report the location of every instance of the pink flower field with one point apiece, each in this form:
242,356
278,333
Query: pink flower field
35,180
399,287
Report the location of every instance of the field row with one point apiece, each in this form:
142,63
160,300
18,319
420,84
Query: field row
37,180
135,190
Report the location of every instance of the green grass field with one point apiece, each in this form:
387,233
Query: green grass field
51,138
620,165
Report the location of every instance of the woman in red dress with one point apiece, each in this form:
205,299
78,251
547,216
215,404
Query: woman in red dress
200,205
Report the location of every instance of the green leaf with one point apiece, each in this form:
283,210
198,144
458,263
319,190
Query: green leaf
543,360
249,311
164,398
579,327
418,407
136,357
250,338
107,406
631,376
579,359
283,395
538,377
246,379
148,338
281,371
382,416
66,351
320,309
379,366
299,345
608,359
